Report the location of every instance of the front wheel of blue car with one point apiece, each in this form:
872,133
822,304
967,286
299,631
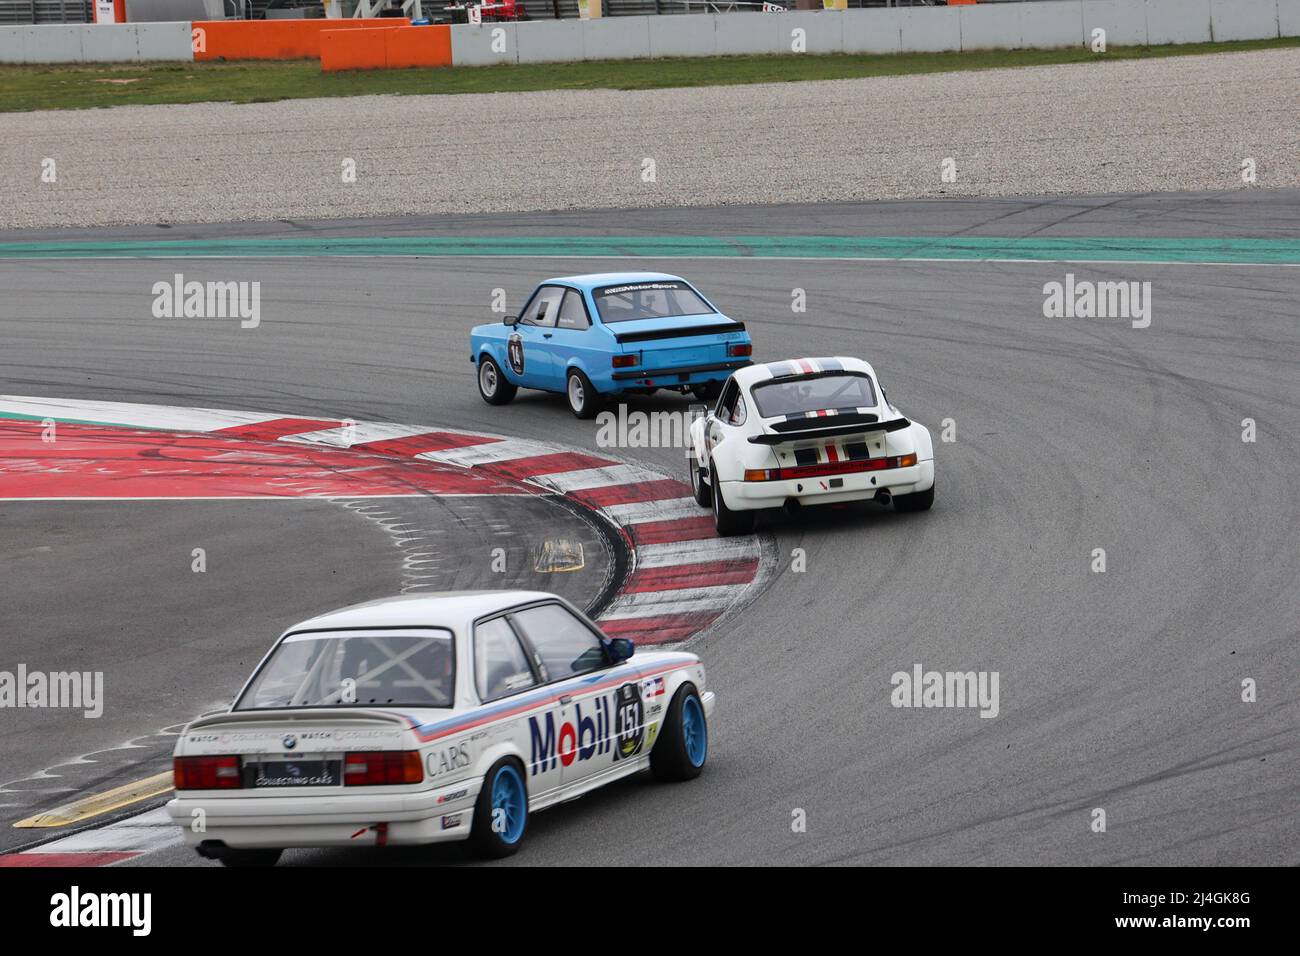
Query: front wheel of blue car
492,384
683,744
501,811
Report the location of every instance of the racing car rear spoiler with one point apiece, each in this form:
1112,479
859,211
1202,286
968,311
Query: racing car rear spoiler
311,715
713,329
805,434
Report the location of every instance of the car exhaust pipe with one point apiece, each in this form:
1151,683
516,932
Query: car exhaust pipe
884,497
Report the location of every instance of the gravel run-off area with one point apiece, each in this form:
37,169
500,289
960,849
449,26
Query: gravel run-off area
1181,123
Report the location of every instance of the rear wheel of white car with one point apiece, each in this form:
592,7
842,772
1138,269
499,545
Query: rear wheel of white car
259,857
501,811
492,384
683,744
699,487
727,522
583,400
917,501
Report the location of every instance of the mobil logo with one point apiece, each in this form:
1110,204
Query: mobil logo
582,738
588,734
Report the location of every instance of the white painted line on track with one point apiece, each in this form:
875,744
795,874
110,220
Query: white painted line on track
583,478
697,551
148,832
489,453
666,255
665,509
358,433
685,601
131,415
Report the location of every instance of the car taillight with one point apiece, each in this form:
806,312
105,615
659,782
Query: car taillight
740,349
379,767
626,360
207,773
830,468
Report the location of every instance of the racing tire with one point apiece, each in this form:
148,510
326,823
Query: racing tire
230,856
501,811
700,489
917,501
726,521
583,399
683,745
707,391
492,384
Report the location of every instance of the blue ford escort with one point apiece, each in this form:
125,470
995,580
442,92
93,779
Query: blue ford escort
594,336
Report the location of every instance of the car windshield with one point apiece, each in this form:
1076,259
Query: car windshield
843,392
415,668
648,300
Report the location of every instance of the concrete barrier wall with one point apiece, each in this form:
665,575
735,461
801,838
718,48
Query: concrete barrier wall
1124,21
1243,19
93,43
1032,25
1288,17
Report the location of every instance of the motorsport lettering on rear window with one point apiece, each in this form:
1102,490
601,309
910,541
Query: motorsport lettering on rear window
648,300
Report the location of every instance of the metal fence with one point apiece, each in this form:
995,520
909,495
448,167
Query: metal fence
45,11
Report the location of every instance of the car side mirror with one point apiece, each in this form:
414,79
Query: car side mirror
620,649
511,320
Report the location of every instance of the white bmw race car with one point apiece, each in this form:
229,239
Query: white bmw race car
806,431
420,719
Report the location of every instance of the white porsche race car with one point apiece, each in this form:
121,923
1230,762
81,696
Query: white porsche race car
806,431
428,718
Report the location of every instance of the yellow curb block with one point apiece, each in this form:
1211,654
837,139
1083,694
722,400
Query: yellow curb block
98,803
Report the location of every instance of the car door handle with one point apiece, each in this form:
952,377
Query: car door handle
546,335
566,699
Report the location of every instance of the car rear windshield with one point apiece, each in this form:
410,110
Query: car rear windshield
415,668
648,300
793,396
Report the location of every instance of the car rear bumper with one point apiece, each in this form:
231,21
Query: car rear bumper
678,375
326,819
857,486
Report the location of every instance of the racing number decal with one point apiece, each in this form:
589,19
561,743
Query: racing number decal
515,352
629,720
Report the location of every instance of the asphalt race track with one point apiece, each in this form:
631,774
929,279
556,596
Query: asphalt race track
1118,690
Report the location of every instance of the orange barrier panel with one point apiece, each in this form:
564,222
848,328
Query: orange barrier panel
274,39
352,50
379,49
418,46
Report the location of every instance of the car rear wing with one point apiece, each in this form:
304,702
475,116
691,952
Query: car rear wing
835,431
713,329
305,715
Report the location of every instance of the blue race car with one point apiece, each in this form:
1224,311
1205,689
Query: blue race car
595,336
